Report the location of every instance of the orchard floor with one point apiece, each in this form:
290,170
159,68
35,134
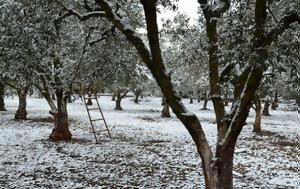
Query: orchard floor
146,151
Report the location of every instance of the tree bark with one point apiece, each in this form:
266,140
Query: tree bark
119,99
205,102
118,104
21,113
69,95
226,96
137,93
166,109
266,111
298,101
191,100
257,123
113,97
223,177
61,130
53,96
89,100
2,93
274,105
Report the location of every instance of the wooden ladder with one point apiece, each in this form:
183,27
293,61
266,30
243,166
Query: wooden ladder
98,119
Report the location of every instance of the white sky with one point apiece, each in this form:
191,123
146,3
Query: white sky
189,7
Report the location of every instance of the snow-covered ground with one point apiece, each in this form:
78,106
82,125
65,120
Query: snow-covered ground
146,151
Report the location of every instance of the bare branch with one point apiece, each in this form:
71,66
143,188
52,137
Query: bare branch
81,17
104,35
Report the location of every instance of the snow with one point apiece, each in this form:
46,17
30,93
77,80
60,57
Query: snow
146,150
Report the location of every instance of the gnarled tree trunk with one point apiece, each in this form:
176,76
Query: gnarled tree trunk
266,111
21,113
274,105
137,94
257,123
118,102
166,109
119,99
2,104
205,102
61,130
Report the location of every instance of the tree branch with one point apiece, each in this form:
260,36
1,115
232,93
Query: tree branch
123,25
81,17
252,76
283,24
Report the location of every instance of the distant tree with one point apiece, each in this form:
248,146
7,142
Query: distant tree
2,93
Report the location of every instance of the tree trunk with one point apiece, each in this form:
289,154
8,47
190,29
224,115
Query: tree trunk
61,130
118,102
298,101
205,102
223,177
274,105
137,93
266,111
2,104
50,101
69,95
21,112
257,123
113,97
226,97
53,96
191,100
191,97
166,110
89,100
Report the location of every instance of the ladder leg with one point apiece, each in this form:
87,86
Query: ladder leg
103,119
93,129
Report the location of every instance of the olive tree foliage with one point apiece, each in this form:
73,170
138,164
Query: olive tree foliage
121,68
185,59
217,166
36,42
287,63
16,51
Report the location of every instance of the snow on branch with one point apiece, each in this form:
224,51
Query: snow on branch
121,21
81,17
216,11
221,6
284,24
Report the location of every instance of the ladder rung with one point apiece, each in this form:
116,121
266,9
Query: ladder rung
90,97
93,108
97,119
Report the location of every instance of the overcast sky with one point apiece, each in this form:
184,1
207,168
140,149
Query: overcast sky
189,7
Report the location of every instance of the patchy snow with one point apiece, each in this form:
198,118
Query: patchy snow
146,150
